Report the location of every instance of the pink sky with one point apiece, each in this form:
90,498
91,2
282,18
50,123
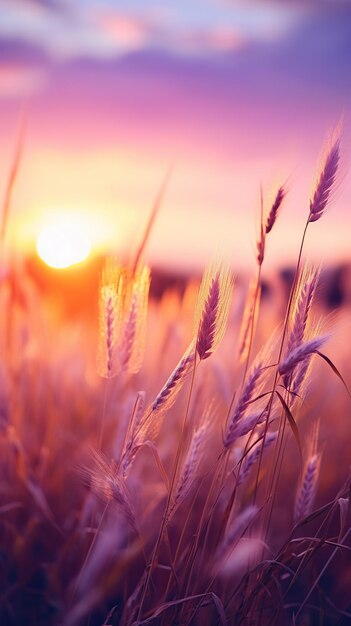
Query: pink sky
232,98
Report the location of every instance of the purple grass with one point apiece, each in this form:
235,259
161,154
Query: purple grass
130,447
325,182
110,323
253,456
129,334
273,213
246,424
103,478
240,408
307,287
175,379
237,528
190,466
207,328
300,353
303,307
307,489
299,377
186,517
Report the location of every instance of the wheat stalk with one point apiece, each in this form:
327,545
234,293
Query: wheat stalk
299,354
326,180
308,485
212,309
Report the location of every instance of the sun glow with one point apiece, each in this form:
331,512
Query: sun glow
63,242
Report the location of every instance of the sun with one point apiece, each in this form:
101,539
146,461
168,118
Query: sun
63,242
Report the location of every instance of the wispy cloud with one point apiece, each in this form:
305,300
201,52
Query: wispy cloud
162,31
64,33
127,31
89,28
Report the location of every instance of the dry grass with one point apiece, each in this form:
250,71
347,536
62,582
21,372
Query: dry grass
204,484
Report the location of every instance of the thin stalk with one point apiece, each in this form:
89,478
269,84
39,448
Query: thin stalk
281,552
212,581
276,376
103,416
315,584
11,182
257,288
128,431
185,526
179,545
172,485
252,323
152,217
203,524
177,552
87,557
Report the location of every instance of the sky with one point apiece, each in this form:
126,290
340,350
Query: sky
230,95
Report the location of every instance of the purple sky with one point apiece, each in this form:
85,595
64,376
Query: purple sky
234,93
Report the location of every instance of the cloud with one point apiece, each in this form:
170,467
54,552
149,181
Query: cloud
64,33
159,31
57,5
168,67
220,39
240,91
126,31
71,30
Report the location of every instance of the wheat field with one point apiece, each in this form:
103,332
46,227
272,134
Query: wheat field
185,460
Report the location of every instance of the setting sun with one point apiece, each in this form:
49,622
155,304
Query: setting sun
63,243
